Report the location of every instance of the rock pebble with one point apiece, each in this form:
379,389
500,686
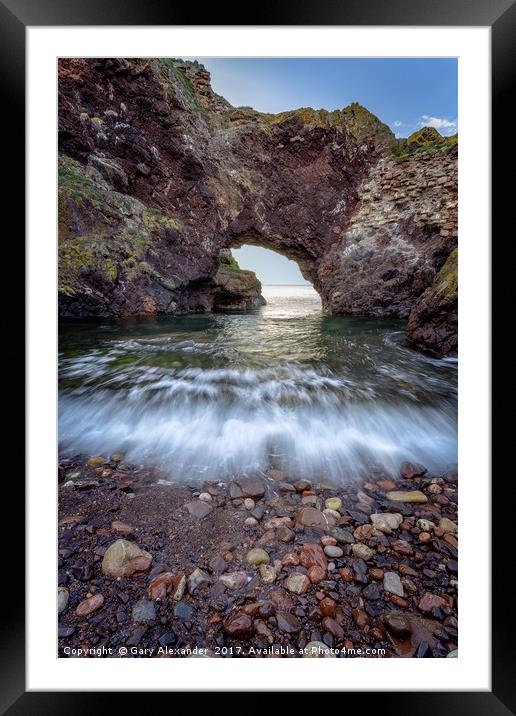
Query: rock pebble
311,555
333,503
447,525
362,551
198,509
196,579
257,556
96,461
124,558
234,580
392,583
397,624
297,583
288,622
62,599
239,625
318,650
430,601
386,522
144,611
407,496
247,487
183,611
331,626
316,574
333,552
122,527
267,573
311,517
160,585
409,470
89,605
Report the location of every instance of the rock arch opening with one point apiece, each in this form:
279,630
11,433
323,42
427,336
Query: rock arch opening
250,275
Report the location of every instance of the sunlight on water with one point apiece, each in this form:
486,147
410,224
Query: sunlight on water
285,386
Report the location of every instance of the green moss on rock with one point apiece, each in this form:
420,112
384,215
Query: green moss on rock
227,260
358,121
307,116
424,137
106,234
432,325
363,124
426,140
446,282
154,219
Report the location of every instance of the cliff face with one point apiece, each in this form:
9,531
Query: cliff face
432,325
401,231
158,175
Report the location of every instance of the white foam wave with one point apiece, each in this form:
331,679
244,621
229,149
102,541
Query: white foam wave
219,422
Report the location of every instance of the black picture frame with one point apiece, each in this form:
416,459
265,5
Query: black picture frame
500,15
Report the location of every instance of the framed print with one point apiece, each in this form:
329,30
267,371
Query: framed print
259,327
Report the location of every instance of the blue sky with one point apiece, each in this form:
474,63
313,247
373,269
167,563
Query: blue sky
270,267
405,93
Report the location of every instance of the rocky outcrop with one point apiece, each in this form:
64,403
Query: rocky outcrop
427,137
158,175
233,288
432,325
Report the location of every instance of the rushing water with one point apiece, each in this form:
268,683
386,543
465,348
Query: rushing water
285,386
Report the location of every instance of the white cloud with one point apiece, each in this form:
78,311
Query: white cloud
397,123
446,126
